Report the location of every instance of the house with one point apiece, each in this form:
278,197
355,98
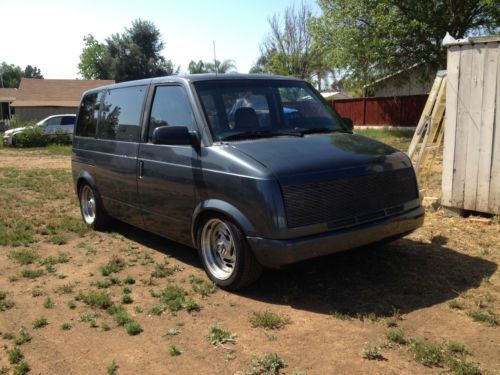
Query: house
416,80
335,95
7,96
39,98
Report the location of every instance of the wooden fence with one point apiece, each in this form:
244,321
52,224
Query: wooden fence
388,111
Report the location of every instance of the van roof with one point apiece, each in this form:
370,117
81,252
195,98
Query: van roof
194,78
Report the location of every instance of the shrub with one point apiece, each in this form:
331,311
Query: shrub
428,354
398,337
127,299
218,336
372,353
270,364
15,356
268,320
129,280
25,256
22,368
32,136
112,368
133,328
121,316
191,305
174,351
40,322
201,286
31,274
115,265
173,297
95,299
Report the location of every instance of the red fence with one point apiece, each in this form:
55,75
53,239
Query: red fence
392,111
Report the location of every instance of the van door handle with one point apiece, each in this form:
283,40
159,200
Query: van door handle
141,168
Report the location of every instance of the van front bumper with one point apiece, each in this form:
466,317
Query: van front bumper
277,253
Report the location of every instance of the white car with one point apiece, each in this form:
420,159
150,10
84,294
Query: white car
52,126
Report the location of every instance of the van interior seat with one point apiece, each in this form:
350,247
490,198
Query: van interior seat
245,118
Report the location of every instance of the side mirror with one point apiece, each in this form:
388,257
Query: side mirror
174,136
348,122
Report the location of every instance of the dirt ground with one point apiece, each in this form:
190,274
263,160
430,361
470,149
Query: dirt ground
437,286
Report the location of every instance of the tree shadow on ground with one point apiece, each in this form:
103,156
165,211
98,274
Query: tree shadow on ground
404,276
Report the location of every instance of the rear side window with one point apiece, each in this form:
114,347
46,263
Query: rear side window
121,114
54,121
87,116
171,107
68,120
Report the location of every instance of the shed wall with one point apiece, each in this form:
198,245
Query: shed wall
471,158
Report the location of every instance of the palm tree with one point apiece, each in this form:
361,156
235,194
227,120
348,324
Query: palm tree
217,66
197,67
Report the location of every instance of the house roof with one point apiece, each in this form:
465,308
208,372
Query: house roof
331,95
7,95
53,92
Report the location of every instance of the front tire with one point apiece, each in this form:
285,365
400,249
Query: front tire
91,209
225,254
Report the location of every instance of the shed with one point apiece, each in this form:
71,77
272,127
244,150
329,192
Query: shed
471,156
39,98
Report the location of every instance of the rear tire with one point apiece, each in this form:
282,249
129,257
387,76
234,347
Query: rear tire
225,254
91,208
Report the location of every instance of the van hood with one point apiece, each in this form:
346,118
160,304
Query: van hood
318,155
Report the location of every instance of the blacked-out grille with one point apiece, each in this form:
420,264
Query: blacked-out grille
345,202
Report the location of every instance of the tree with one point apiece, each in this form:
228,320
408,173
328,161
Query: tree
94,59
221,67
134,54
260,66
289,49
10,74
197,67
368,39
32,72
217,66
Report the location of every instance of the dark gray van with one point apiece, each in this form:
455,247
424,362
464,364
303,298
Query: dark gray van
251,170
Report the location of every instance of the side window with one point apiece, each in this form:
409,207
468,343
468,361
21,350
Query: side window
170,107
121,114
68,120
54,121
87,116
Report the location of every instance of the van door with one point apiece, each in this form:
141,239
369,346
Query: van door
118,134
166,183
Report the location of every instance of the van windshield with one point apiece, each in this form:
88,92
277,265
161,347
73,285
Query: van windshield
246,109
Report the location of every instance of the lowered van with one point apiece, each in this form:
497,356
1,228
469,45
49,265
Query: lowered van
253,171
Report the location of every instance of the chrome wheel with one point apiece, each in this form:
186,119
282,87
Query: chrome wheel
218,249
87,204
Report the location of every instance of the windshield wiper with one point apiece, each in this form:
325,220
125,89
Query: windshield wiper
259,134
319,130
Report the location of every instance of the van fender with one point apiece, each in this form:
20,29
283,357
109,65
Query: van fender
88,178
224,208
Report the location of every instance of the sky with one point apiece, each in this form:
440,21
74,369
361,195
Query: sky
49,33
